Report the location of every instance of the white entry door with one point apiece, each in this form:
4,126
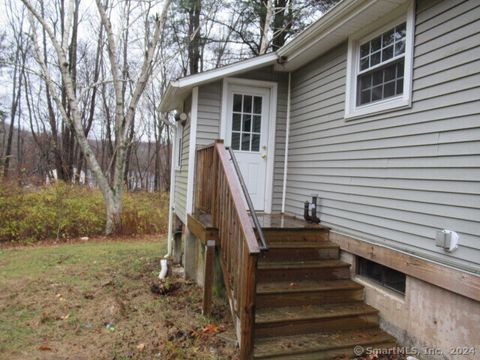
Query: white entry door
247,125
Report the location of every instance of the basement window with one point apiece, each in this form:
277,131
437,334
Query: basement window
383,275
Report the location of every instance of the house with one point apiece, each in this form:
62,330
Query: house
375,110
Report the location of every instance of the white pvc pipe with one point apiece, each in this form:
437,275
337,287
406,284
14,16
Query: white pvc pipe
287,137
163,269
171,202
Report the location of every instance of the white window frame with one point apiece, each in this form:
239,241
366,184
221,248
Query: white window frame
178,150
352,110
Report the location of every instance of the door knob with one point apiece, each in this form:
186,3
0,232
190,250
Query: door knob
264,156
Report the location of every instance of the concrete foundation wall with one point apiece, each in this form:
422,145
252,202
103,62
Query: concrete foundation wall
429,318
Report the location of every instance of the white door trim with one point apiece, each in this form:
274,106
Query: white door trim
273,87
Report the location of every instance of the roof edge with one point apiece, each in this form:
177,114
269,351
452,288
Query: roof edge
330,19
183,85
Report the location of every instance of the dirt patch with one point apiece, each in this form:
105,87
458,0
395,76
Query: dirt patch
97,309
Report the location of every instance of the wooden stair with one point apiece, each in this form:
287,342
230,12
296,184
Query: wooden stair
307,307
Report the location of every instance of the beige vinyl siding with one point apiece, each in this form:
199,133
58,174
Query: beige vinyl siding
209,115
181,175
398,177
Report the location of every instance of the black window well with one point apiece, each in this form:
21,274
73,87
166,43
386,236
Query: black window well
381,66
385,276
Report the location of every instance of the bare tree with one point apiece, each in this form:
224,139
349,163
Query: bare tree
19,61
111,188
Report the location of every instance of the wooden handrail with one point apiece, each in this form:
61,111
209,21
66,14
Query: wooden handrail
218,192
261,236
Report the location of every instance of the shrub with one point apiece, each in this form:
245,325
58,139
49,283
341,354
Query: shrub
64,211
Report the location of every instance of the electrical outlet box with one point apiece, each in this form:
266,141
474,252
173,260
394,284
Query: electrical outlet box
447,239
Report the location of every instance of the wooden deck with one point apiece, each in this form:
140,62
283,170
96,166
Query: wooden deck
202,227
285,222
201,224
282,277
303,288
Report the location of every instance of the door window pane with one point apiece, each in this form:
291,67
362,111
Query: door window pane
236,122
246,122
257,123
247,104
257,105
237,103
245,142
256,142
236,141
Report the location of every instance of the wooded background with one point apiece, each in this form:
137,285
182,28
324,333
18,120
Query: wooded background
36,143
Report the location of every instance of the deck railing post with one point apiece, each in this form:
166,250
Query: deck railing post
218,191
208,285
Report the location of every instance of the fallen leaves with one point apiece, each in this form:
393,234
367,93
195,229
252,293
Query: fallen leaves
210,329
44,348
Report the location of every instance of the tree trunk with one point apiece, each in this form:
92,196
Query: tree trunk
124,116
194,36
114,210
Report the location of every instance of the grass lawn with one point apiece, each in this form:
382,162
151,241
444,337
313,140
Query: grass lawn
93,300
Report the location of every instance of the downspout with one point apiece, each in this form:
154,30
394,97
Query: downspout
287,139
171,203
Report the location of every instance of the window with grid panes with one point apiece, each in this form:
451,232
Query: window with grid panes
382,66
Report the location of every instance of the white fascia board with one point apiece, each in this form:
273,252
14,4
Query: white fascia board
228,70
168,102
176,89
